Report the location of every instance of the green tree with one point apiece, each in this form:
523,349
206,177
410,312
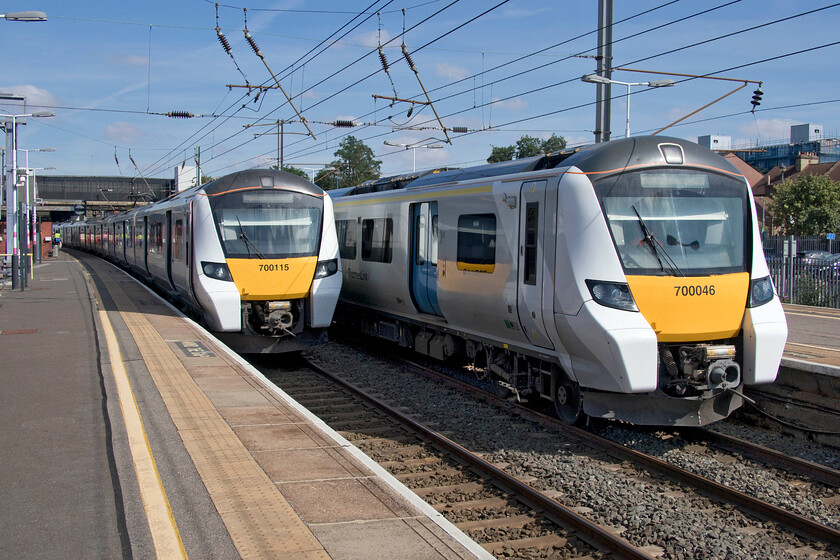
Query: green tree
810,205
296,171
501,153
553,144
527,146
354,166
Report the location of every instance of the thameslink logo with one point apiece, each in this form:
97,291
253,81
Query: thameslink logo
353,275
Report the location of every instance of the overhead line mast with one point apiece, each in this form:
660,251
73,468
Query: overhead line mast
603,92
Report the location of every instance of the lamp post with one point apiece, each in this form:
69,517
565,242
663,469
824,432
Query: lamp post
36,231
11,188
24,16
32,236
413,148
596,79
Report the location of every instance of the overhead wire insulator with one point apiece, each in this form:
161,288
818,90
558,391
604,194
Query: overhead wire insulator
253,44
383,59
756,98
459,129
343,124
408,58
179,114
223,40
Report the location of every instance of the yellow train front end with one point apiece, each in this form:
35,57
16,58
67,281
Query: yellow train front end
688,242
697,321
279,261
270,289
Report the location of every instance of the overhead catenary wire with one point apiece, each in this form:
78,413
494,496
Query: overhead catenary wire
575,79
497,101
577,37
164,161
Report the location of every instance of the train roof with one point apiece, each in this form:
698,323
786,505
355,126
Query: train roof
262,178
615,156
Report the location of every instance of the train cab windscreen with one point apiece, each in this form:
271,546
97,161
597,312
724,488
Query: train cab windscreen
268,224
676,222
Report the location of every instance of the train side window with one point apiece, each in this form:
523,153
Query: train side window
420,239
179,238
529,268
433,250
376,239
477,243
157,238
346,230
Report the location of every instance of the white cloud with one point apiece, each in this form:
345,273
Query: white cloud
123,132
373,39
515,104
33,95
446,70
764,130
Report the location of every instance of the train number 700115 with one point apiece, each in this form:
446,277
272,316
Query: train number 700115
273,267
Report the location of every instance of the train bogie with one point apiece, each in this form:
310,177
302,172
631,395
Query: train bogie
614,290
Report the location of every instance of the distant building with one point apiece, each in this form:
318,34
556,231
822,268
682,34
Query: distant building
804,138
715,142
804,164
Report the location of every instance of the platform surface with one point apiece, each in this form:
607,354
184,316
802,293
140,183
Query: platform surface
127,431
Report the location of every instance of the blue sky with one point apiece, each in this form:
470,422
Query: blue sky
110,69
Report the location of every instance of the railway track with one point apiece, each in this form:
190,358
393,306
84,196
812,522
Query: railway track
820,538
808,472
506,516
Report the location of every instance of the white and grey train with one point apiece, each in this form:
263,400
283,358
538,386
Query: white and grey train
254,254
621,280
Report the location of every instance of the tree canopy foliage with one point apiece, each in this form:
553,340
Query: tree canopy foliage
354,166
809,205
526,146
294,170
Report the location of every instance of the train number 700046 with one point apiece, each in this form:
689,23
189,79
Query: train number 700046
707,290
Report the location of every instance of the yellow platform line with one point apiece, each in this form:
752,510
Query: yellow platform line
164,529
827,349
260,522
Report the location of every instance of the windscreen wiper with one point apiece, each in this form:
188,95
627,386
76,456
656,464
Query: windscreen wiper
248,243
656,247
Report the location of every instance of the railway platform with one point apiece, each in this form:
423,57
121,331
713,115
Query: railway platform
127,431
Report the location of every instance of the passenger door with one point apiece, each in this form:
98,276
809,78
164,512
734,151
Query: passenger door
424,253
531,271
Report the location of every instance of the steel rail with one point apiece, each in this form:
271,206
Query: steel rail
796,465
798,523
592,532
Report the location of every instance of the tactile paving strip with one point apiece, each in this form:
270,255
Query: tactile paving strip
260,521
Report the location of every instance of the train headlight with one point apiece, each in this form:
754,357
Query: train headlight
217,271
326,268
612,294
761,291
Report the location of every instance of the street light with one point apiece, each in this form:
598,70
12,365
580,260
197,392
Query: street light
413,147
11,189
596,79
36,232
25,16
31,235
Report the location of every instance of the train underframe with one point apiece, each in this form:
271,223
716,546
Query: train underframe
697,382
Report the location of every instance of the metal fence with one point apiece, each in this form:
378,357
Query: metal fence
799,279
